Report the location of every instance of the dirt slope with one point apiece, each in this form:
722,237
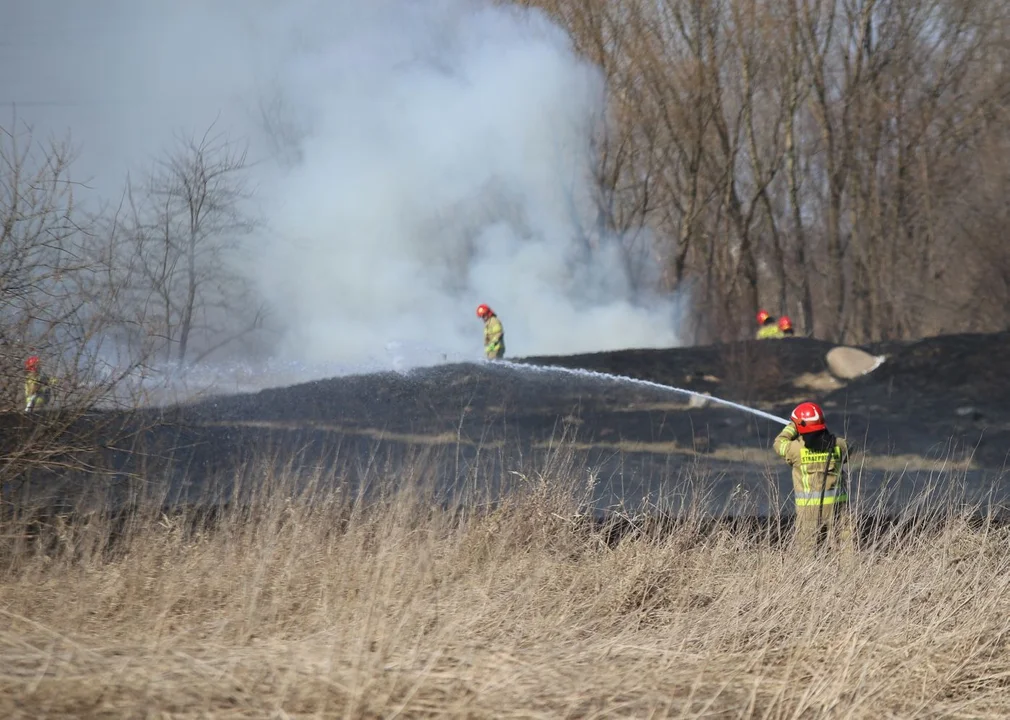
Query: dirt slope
913,406
923,396
936,376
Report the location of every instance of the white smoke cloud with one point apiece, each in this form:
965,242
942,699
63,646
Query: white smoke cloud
424,157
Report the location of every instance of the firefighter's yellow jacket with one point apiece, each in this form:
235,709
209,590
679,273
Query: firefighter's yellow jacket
38,389
494,337
772,331
808,469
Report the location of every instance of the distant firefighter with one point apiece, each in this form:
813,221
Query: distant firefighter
766,326
786,326
494,335
817,459
38,386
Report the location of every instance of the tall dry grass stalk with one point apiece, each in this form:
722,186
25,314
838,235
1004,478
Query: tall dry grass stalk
307,601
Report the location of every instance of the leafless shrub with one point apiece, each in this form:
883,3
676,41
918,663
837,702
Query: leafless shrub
61,298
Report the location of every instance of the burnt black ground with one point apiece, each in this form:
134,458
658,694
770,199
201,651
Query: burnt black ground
471,424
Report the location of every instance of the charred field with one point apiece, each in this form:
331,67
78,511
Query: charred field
307,600
933,415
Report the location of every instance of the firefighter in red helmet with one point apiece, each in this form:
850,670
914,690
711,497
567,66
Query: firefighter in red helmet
786,326
494,334
818,460
767,328
38,387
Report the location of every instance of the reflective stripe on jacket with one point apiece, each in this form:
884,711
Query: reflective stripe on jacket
808,469
36,384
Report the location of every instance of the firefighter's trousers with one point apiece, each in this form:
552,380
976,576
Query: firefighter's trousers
835,529
495,351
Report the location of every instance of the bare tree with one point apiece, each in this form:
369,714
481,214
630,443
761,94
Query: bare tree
188,221
57,297
283,131
61,294
836,159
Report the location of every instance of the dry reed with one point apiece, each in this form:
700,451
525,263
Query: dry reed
313,602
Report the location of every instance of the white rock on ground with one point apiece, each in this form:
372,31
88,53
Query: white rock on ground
849,362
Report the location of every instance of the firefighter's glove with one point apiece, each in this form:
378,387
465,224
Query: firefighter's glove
791,432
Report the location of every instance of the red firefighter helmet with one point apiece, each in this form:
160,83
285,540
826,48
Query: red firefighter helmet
785,324
483,311
808,417
32,363
763,316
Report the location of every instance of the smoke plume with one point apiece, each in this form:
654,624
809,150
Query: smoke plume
415,159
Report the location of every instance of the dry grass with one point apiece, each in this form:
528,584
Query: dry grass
421,439
758,458
314,604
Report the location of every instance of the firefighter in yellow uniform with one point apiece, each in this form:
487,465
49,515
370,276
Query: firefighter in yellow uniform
767,328
38,387
494,335
817,459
